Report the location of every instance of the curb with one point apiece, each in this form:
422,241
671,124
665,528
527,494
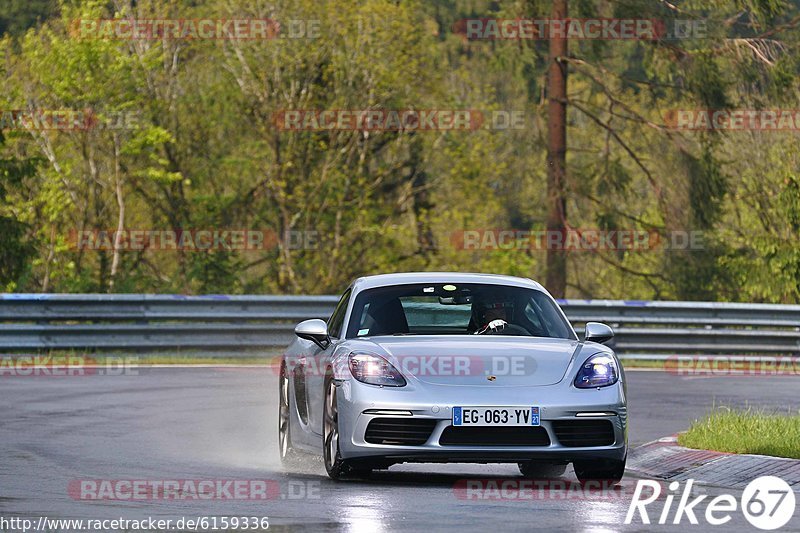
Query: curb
665,459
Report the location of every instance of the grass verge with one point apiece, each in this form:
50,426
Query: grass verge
78,359
198,360
746,431
638,363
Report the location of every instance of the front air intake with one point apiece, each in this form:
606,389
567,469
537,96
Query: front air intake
494,436
400,431
584,433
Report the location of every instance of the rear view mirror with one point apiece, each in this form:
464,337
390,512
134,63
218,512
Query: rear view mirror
598,332
314,330
455,300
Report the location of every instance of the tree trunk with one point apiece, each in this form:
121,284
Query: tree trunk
120,217
556,281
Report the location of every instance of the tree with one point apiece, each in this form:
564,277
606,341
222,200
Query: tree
557,152
206,153
16,247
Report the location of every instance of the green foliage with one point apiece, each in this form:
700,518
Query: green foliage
204,151
746,431
19,15
16,249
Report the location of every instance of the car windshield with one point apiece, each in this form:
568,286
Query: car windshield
456,309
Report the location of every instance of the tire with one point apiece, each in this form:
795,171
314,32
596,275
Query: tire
336,467
610,470
290,457
539,470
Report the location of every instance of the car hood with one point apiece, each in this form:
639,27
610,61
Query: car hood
477,361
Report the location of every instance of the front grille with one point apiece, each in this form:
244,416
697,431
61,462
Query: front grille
494,436
583,433
399,431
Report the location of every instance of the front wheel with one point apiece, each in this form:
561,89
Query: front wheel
610,470
290,458
334,464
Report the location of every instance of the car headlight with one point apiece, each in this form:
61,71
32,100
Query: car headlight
598,371
375,370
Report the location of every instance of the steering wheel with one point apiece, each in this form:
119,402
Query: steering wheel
512,329
501,327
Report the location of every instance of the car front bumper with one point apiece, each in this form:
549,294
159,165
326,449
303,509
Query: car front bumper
360,404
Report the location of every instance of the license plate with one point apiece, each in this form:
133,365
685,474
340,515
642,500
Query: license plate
495,416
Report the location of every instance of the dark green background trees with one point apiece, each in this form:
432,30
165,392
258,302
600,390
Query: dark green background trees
206,153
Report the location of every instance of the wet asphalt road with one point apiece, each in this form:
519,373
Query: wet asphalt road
207,423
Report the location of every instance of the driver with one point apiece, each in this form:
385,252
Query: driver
495,311
489,314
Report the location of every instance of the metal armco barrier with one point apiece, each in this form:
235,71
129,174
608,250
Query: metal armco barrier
261,324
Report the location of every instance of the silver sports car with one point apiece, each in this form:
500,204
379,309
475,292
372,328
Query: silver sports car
445,367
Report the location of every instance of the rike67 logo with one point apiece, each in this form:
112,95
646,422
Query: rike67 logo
767,502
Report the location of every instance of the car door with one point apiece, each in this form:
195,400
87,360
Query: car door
317,362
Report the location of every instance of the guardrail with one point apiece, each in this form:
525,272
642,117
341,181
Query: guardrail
250,325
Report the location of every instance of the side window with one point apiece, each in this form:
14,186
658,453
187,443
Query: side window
532,314
552,322
337,318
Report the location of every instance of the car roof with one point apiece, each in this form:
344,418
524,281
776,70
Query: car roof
405,278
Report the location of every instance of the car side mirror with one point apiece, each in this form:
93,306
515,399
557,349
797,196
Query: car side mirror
598,332
314,330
